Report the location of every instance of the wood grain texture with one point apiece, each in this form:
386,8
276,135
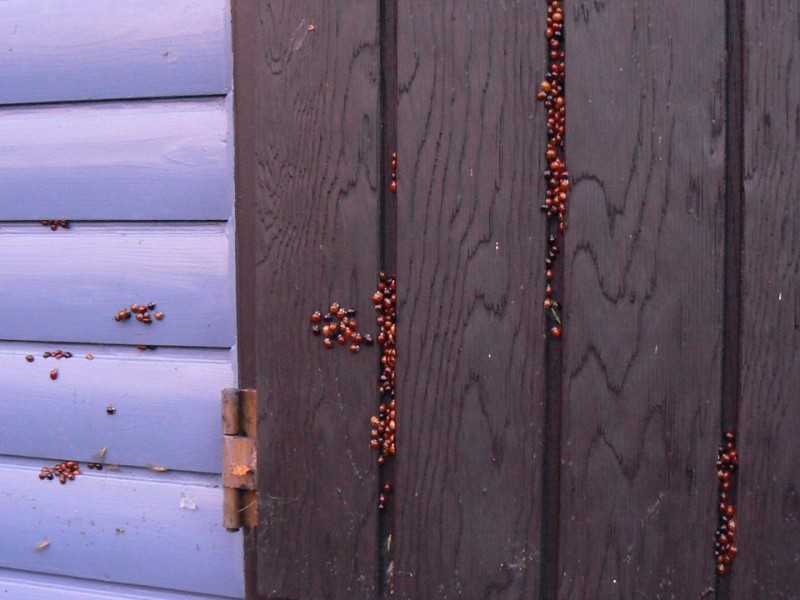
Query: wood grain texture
316,241
90,272
471,244
106,527
19,585
117,161
167,405
59,50
644,272
769,481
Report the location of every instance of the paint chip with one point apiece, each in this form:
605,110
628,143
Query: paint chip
187,503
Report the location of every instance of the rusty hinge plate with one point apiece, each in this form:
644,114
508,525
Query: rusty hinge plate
239,462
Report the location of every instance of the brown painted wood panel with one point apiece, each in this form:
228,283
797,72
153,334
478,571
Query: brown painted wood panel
619,420
315,235
768,562
644,272
471,246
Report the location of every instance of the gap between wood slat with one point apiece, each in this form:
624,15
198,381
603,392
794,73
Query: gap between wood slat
107,101
388,137
553,370
551,484
119,227
124,473
387,31
734,210
202,354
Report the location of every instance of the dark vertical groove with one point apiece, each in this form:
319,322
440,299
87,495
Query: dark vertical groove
551,481
553,369
734,210
245,124
387,31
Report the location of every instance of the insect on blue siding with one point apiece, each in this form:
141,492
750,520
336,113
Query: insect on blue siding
116,134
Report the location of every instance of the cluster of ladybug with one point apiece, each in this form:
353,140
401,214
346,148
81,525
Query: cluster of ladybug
64,471
725,543
142,312
556,174
339,325
384,424
54,224
57,354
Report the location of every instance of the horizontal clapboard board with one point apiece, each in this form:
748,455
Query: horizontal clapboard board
106,527
32,586
67,285
166,405
59,50
159,160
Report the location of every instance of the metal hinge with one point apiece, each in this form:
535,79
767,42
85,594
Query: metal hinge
240,505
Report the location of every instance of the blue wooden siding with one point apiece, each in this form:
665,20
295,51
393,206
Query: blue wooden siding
93,270
139,160
24,584
116,115
59,50
175,388
120,527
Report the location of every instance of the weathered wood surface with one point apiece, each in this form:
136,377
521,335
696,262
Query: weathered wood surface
117,161
769,480
59,50
316,241
109,527
471,244
166,401
25,586
644,274
74,281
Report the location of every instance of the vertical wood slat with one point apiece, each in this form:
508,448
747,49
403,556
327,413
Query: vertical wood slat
470,284
645,149
769,481
246,31
316,241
